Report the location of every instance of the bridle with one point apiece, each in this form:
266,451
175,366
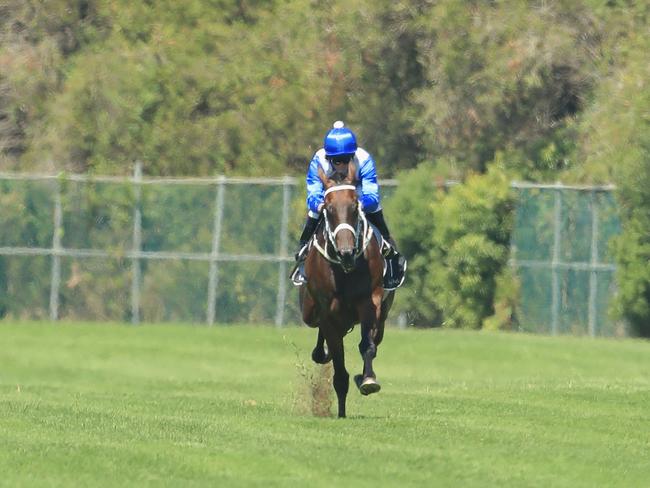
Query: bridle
362,234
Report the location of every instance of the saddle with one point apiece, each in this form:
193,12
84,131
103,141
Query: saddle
394,264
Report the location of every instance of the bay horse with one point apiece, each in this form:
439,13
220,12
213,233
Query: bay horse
344,268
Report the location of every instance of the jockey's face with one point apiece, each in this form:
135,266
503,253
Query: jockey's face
340,163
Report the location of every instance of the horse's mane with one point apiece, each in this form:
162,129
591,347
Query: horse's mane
338,178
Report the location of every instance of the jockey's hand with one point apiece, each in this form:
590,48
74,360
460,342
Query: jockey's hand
320,207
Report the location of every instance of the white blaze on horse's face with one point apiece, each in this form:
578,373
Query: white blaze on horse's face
342,215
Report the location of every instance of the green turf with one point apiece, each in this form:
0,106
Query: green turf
113,405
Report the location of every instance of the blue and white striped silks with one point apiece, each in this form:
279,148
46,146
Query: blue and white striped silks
367,187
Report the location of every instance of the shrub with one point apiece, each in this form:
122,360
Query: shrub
470,246
457,243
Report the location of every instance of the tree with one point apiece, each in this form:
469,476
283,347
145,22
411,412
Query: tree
616,145
504,76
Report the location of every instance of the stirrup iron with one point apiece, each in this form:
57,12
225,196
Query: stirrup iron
387,249
302,252
298,277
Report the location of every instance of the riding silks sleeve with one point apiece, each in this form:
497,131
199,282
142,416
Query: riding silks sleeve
315,188
369,187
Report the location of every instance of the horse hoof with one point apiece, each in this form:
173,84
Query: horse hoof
320,357
367,386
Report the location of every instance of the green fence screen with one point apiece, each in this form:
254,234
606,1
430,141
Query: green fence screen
562,253
220,250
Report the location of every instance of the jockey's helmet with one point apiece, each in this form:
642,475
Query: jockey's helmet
340,141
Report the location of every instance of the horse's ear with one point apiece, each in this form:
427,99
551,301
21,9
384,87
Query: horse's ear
323,177
352,173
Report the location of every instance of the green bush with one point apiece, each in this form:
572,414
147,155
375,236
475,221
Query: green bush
409,214
633,276
457,242
470,244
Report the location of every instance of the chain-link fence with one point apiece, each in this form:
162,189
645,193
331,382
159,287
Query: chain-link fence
219,250
560,248
153,249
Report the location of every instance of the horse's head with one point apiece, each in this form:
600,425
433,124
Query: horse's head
344,220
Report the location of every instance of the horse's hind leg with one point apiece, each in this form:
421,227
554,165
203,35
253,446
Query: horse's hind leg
320,355
341,376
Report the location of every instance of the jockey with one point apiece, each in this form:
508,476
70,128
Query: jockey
340,148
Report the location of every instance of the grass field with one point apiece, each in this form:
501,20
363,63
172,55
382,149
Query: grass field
113,405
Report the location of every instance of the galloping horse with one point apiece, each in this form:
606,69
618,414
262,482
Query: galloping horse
344,268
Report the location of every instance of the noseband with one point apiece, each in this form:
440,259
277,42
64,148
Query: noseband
361,239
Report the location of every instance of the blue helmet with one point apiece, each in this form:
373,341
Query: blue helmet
340,140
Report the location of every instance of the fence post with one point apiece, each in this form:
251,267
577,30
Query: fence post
555,283
55,282
593,274
284,238
213,279
137,245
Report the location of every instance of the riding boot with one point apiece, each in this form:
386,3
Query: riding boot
388,248
307,232
395,261
396,265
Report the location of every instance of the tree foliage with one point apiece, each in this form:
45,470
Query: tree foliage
616,147
250,88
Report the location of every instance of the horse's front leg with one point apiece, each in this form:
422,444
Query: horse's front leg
341,376
369,314
320,354
307,306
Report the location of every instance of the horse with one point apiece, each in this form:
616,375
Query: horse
344,268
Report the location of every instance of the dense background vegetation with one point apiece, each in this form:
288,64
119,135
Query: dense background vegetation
484,92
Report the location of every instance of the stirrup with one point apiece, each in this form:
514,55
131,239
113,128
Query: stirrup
298,277
387,249
302,253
